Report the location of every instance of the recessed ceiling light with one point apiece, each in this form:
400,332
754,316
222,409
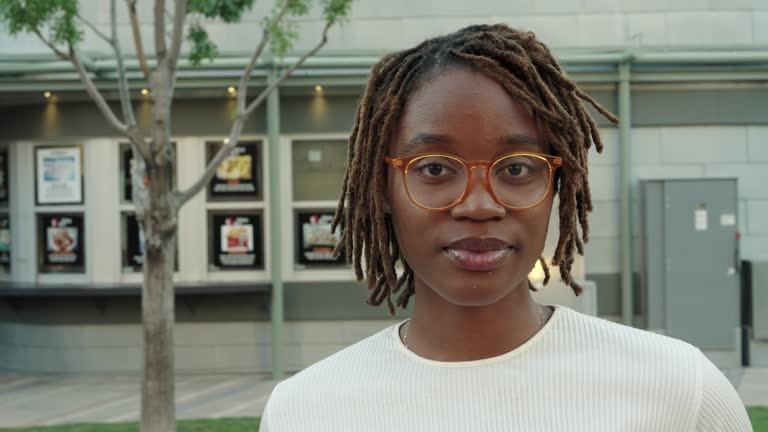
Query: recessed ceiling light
145,91
231,90
318,89
47,94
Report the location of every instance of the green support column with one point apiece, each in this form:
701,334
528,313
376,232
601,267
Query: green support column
273,132
625,191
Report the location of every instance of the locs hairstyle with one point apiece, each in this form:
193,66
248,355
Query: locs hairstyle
526,69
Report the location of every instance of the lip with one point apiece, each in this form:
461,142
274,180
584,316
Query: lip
478,254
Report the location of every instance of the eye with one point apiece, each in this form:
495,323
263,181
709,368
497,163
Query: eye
434,170
433,167
515,169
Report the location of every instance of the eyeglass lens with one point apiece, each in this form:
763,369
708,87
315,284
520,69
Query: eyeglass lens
439,181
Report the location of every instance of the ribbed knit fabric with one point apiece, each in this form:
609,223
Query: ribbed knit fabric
578,373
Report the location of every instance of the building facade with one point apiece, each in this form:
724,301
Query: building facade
689,80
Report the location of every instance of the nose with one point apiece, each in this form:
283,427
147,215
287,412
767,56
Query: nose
479,204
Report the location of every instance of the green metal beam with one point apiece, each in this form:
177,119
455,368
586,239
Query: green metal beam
276,270
15,64
625,185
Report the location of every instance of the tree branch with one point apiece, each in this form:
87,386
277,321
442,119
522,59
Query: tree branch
210,169
94,93
125,94
259,99
58,52
136,30
98,32
160,30
140,146
242,88
179,18
237,126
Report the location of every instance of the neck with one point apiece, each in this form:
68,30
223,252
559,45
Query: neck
443,331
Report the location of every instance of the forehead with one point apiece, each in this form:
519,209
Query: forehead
470,111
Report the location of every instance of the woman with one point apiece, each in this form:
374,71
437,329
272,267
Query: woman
458,149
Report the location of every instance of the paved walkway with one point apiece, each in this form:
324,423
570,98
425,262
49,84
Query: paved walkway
27,400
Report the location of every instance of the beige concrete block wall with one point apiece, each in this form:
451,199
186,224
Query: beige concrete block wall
200,347
396,24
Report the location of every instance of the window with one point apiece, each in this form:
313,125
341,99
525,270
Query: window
240,176
236,240
235,209
318,169
59,175
317,175
61,243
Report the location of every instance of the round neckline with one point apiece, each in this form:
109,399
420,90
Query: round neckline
395,333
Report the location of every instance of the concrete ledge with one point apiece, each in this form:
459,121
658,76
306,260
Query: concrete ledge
27,290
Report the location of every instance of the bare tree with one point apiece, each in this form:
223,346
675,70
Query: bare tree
60,26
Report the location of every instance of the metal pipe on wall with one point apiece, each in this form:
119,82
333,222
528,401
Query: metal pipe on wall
276,311
625,191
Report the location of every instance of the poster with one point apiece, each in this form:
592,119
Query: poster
59,175
133,252
316,243
63,239
127,160
126,163
134,245
238,175
237,241
5,242
3,177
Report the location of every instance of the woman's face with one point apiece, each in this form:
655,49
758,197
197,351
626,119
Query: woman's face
477,252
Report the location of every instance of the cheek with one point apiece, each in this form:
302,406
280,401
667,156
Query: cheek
411,224
536,221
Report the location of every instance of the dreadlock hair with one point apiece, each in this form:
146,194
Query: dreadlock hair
527,70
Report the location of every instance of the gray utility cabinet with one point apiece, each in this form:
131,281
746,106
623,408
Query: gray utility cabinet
689,259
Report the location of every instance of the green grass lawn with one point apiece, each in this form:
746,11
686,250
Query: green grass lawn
247,424
758,415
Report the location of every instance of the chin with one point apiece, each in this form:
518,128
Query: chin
474,293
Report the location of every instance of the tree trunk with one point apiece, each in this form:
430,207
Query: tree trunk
158,407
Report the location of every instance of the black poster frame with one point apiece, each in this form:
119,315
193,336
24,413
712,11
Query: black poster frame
313,255
217,257
69,260
4,186
5,242
234,189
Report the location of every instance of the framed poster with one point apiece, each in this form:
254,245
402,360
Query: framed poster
239,176
236,241
3,177
62,240
5,242
126,180
59,175
315,240
133,245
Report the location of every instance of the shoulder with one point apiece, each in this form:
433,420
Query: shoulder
720,406
653,363
638,345
663,368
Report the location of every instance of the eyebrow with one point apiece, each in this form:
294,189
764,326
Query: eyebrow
422,139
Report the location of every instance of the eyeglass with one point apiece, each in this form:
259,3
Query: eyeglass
517,181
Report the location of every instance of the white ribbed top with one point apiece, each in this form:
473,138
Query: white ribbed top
578,373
